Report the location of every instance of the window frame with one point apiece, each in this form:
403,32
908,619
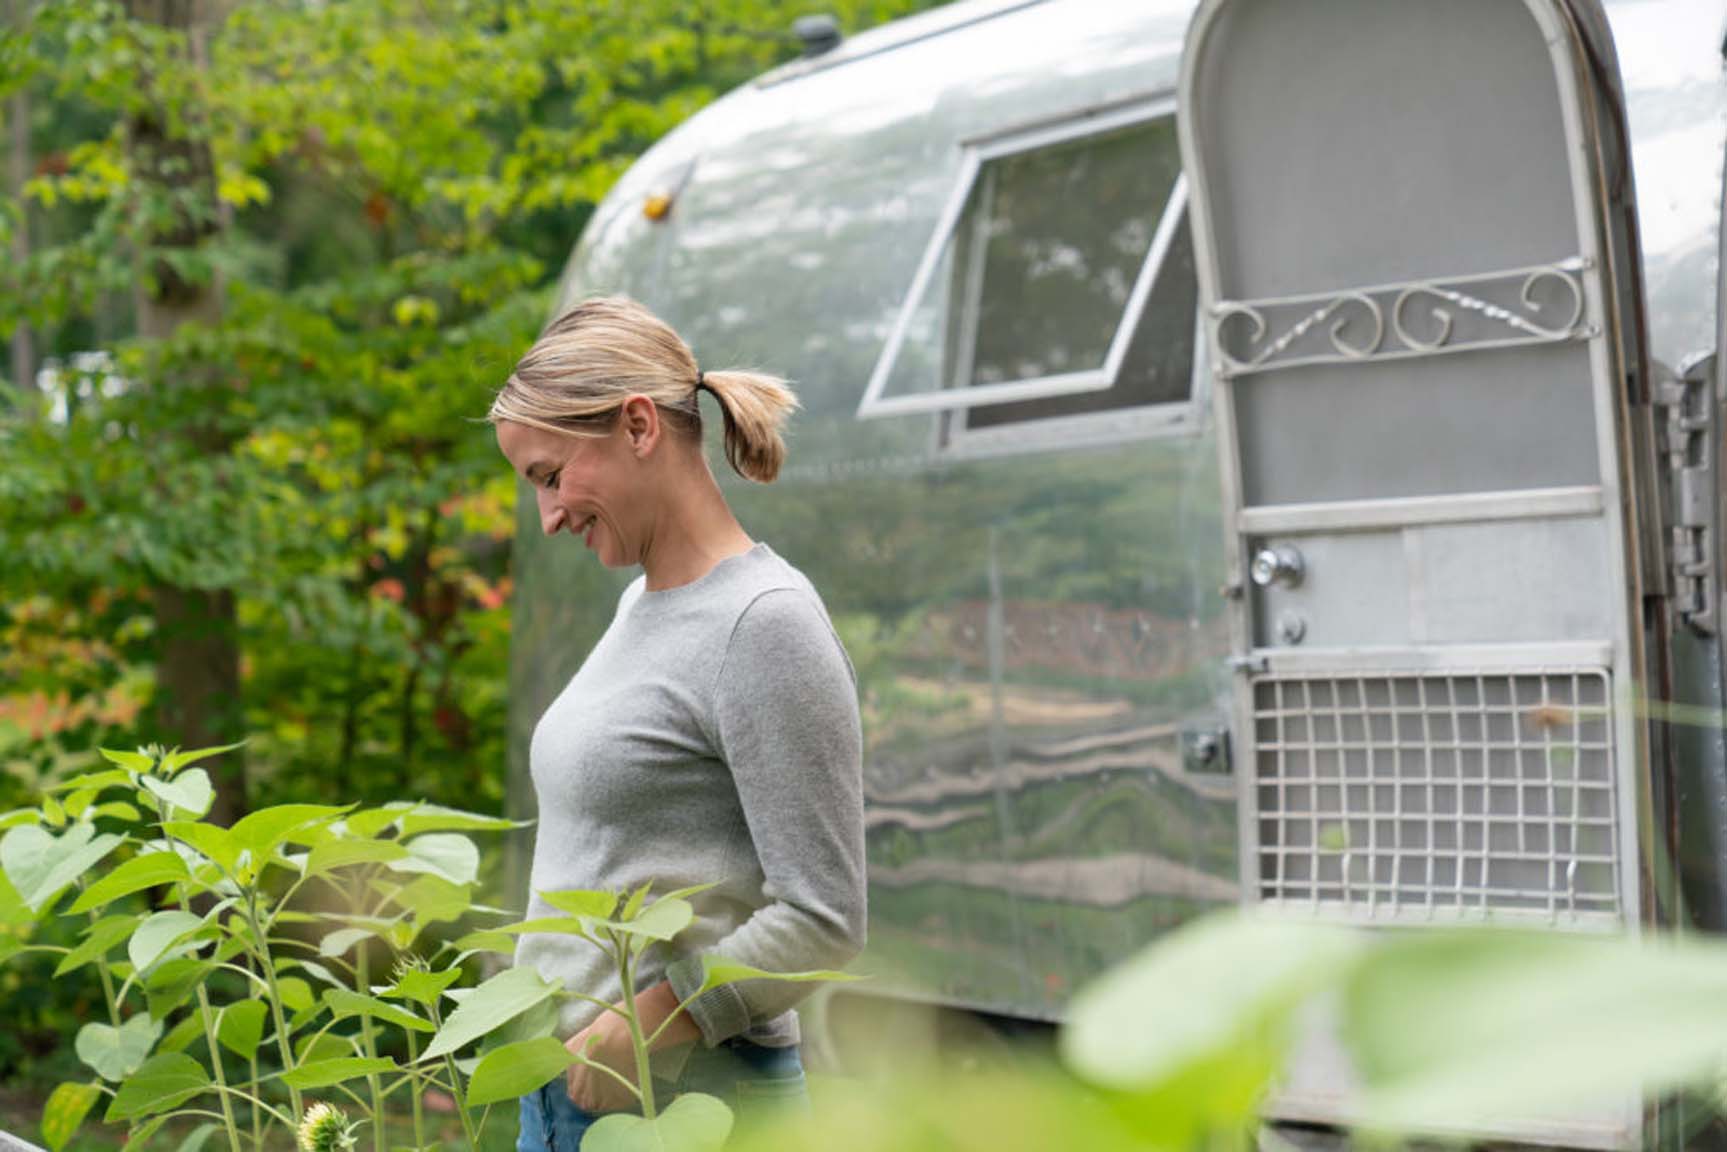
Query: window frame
976,154
1184,417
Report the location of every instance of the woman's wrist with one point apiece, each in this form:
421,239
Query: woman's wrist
654,1006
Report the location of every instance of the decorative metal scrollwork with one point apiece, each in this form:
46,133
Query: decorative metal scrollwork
1359,330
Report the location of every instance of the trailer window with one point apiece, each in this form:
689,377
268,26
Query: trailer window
1058,283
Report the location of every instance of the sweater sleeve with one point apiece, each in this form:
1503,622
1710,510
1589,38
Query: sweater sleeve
786,719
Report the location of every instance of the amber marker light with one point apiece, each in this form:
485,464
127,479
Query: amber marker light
658,206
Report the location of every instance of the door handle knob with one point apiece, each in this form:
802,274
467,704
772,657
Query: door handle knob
1281,565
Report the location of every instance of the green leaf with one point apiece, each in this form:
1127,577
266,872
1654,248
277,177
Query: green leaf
517,1069
180,1036
339,941
166,1081
433,899
417,818
446,854
138,1136
115,1053
40,865
474,942
664,919
134,875
199,1136
109,778
1224,994
295,993
118,809
19,816
67,1106
1215,985
582,902
160,932
505,995
189,792
1514,1022
323,1073
718,971
561,925
261,832
423,987
634,903
210,841
344,1003
321,1047
333,854
694,1122
240,1028
541,1020
173,981
131,761
99,938
176,760
319,971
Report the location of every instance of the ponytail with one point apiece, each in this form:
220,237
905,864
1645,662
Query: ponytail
755,407
592,358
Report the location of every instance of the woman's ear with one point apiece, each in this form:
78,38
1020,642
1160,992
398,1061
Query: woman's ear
639,421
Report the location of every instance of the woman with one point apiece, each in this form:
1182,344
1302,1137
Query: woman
712,733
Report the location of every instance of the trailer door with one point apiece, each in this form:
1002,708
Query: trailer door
1412,223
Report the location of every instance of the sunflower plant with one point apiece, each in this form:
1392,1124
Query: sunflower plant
236,964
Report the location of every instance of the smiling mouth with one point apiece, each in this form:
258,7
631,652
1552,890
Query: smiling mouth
586,527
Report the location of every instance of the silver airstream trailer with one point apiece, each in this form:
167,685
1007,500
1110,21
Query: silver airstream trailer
1259,451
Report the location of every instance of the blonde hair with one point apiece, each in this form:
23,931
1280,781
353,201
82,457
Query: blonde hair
587,361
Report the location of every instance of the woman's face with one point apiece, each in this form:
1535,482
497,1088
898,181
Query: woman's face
592,487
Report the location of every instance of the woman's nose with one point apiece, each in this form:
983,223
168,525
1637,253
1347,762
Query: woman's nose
551,519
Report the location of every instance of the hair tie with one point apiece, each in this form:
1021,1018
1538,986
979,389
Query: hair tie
701,380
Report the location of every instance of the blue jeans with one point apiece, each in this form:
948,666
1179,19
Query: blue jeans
755,1081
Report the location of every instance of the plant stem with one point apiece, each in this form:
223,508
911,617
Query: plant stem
456,1085
216,1066
418,1089
364,988
102,967
644,1079
257,1131
275,1000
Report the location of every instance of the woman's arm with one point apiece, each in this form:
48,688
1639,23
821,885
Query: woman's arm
786,717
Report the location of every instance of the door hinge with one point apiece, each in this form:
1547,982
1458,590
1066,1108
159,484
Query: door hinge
1686,410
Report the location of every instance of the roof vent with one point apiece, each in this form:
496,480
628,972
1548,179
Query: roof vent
820,34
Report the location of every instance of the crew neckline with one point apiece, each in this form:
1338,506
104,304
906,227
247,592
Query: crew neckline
677,591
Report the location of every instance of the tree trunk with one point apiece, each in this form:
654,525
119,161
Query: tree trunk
17,175
198,700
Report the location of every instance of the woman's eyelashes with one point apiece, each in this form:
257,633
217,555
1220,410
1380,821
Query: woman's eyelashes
551,480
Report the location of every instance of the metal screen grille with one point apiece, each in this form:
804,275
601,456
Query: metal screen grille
1454,795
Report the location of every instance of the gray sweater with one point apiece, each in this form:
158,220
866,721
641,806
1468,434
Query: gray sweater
711,735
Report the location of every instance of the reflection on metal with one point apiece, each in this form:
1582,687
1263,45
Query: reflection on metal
1144,751
1105,881
1446,796
1359,329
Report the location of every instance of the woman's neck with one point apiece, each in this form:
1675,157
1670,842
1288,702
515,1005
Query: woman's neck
692,536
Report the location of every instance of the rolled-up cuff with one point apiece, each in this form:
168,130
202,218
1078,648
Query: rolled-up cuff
719,1013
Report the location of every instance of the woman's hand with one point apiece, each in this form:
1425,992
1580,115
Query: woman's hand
592,1090
605,1041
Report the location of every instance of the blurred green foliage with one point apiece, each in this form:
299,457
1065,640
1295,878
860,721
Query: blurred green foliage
393,189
